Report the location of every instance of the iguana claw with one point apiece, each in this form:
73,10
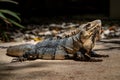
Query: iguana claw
18,59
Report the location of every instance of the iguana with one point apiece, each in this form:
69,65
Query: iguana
79,45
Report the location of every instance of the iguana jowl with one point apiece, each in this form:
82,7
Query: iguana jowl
79,45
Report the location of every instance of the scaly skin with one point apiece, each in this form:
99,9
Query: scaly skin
81,43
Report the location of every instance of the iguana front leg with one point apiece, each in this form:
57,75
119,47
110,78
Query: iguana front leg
79,56
91,58
83,56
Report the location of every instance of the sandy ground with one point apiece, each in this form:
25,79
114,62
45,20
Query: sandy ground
108,69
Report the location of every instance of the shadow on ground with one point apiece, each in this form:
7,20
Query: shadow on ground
108,69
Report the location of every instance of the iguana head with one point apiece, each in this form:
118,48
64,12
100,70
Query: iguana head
90,29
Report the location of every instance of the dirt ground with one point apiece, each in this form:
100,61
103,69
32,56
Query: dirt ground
108,69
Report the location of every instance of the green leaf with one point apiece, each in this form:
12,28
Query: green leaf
10,13
2,16
11,1
15,23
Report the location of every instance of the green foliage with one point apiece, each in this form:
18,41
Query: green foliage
10,1
9,18
10,13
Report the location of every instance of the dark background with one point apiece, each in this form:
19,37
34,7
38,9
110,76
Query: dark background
56,8
63,7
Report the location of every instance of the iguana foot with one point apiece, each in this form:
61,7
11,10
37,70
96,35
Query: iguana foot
94,54
90,60
99,55
87,58
82,58
95,60
18,59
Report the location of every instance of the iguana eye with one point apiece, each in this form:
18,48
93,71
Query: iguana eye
88,26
